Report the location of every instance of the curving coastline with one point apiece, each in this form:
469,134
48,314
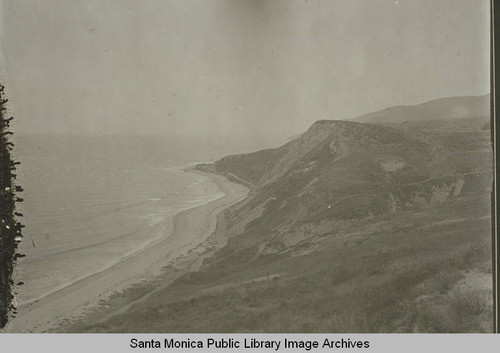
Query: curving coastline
191,228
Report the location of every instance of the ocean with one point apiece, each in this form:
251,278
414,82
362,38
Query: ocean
90,201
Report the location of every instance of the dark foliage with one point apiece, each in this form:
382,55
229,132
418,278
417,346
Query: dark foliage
10,228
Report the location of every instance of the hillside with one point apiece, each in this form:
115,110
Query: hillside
351,227
439,109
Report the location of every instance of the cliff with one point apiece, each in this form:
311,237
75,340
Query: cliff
343,170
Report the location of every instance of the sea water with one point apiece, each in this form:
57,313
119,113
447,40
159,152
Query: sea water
90,201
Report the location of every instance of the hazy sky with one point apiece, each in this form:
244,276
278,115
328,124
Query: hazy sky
245,67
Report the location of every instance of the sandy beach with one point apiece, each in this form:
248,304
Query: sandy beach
190,229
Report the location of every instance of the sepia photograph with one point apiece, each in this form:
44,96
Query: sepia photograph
246,166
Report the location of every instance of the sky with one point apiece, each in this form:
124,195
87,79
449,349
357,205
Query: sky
233,67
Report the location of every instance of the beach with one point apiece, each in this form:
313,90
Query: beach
191,228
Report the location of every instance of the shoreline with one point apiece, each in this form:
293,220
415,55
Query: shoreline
75,302
190,261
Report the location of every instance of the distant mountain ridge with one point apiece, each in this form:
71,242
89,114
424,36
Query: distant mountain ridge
440,109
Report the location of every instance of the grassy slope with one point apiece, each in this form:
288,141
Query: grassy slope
397,251
384,276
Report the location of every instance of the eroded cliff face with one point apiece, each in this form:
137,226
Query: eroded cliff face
342,170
